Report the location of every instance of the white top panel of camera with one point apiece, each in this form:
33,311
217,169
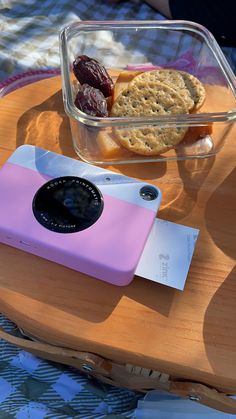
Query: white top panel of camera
108,182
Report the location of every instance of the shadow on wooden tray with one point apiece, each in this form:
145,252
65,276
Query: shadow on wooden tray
33,284
220,215
47,126
219,328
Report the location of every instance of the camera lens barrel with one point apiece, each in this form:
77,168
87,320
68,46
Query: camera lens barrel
67,204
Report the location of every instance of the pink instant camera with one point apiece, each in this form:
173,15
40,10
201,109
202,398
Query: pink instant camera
82,216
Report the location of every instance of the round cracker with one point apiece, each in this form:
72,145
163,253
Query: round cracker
196,88
188,86
148,98
149,141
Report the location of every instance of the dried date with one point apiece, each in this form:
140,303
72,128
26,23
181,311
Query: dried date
90,71
91,101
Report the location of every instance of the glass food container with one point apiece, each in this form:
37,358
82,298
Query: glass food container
137,46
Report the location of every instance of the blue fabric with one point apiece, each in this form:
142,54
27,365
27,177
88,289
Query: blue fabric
29,29
32,388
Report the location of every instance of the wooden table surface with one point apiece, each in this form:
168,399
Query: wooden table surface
190,334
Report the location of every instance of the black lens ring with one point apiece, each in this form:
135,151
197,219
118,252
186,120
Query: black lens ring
67,204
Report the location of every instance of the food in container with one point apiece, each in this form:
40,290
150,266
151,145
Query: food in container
136,47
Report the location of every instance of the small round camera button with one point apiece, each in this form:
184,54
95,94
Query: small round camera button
148,193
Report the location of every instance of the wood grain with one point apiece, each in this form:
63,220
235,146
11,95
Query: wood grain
189,334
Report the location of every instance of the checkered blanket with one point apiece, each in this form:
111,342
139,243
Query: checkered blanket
31,388
29,30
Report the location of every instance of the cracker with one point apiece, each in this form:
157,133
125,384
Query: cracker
196,89
149,141
188,86
149,98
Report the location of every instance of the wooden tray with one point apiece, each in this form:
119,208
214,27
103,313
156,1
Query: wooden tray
189,334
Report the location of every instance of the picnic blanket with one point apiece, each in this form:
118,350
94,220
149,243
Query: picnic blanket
32,388
29,29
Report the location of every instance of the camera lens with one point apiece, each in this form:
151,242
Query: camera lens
67,204
148,193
